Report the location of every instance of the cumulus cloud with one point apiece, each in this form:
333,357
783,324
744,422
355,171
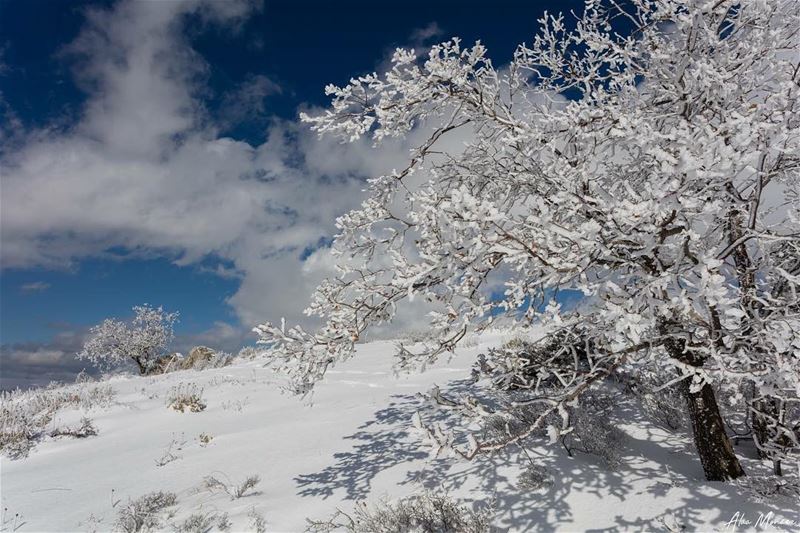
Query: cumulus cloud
220,336
35,363
144,167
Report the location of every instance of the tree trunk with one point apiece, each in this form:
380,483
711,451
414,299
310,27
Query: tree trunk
713,446
768,418
760,431
140,364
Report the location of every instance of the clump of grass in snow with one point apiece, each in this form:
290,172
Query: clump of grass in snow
205,439
85,429
204,523
26,415
257,521
145,513
186,396
234,490
169,454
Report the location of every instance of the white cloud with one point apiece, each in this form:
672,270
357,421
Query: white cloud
220,336
145,169
27,364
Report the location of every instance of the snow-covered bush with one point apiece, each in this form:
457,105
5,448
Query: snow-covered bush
186,396
25,416
425,513
651,164
19,433
594,430
251,352
197,523
232,489
204,523
663,403
85,429
223,522
142,341
770,488
145,513
521,364
84,377
258,524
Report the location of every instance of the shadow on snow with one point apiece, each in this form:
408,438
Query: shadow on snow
656,464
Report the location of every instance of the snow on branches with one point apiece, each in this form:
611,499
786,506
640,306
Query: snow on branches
655,170
143,341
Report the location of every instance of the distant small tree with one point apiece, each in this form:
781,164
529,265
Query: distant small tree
142,341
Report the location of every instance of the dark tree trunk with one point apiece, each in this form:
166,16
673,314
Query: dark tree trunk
760,432
140,364
713,446
767,415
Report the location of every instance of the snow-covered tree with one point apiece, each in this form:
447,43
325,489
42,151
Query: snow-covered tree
654,169
142,341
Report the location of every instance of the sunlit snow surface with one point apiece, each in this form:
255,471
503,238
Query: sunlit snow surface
356,441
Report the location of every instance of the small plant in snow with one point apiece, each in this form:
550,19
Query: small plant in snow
205,439
234,490
144,513
9,522
425,513
235,405
223,522
186,396
170,454
85,429
18,437
141,341
251,352
204,523
83,377
534,477
91,524
257,521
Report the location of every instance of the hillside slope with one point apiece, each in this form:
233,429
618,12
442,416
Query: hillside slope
355,442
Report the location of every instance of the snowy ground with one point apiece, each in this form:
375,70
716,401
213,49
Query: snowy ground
356,442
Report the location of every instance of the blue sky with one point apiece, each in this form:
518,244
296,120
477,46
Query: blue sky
151,152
